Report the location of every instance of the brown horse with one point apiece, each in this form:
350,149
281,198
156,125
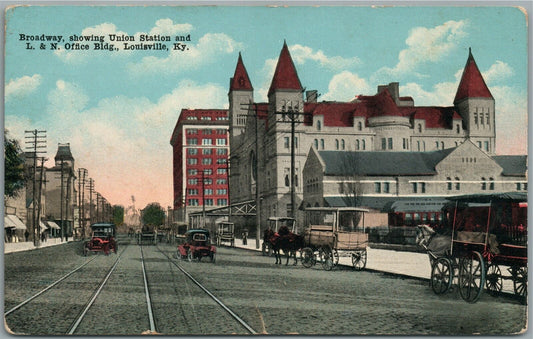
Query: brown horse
286,241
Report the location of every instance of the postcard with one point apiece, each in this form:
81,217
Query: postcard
315,169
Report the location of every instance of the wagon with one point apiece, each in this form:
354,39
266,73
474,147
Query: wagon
102,239
148,235
489,237
274,223
335,232
196,246
226,233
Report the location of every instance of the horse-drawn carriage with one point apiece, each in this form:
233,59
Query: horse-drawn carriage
488,236
226,233
274,224
102,239
335,232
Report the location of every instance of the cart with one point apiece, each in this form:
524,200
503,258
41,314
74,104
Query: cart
335,232
226,233
489,237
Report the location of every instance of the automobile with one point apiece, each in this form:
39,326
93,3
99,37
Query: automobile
196,246
102,239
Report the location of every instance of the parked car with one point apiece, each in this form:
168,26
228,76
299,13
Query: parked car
197,245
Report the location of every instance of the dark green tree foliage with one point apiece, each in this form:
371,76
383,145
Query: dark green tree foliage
153,214
14,167
118,215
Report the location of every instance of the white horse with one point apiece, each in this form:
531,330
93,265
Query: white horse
435,244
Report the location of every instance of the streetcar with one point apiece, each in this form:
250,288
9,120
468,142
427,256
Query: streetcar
102,239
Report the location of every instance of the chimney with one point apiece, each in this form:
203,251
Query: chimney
311,96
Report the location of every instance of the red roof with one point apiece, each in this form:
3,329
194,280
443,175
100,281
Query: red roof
285,75
472,84
341,114
240,80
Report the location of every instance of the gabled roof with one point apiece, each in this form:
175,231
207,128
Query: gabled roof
285,75
472,84
512,164
241,80
342,163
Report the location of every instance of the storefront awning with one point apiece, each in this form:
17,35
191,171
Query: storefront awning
53,225
12,221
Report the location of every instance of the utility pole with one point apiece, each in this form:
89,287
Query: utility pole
35,144
91,190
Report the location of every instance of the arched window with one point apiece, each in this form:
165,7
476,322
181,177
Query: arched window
357,144
491,184
336,144
458,128
442,144
319,125
483,184
360,126
364,144
419,128
457,184
449,180
343,146
316,143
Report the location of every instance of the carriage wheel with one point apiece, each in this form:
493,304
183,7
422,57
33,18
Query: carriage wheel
359,260
471,277
335,256
190,255
326,258
520,281
494,280
307,257
441,275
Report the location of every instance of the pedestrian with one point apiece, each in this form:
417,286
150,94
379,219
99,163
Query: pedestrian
27,235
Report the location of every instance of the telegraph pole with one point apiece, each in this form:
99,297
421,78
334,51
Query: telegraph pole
35,143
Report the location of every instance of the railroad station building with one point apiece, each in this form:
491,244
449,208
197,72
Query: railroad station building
402,151
454,145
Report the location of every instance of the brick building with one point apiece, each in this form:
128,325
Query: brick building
200,161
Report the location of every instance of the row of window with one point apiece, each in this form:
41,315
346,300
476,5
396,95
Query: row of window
207,151
207,131
207,202
192,117
207,142
207,181
206,161
207,191
479,118
420,187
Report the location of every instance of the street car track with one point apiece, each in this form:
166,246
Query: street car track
79,318
147,293
211,295
47,288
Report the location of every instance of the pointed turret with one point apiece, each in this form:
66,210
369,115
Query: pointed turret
472,84
241,80
285,75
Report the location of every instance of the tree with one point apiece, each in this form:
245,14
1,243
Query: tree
118,215
153,214
14,167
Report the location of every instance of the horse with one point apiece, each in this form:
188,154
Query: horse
284,240
436,245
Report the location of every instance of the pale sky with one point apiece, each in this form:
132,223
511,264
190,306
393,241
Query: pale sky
118,109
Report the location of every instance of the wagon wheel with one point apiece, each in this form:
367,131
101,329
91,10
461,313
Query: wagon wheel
307,257
359,260
494,280
471,277
190,255
326,258
441,275
335,257
520,281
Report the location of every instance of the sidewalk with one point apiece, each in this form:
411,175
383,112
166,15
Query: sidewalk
11,247
397,262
